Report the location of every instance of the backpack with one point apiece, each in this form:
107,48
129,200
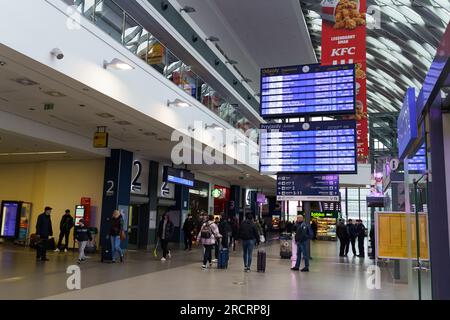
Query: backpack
205,232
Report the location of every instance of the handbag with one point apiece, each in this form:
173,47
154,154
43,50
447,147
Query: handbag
262,239
122,235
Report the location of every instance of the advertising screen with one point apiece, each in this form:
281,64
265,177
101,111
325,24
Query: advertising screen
307,90
9,218
79,214
314,147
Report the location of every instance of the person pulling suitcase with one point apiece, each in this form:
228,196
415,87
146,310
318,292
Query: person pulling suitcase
249,236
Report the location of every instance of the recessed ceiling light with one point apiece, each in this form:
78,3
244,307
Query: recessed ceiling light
123,123
25,82
82,105
105,115
55,94
117,64
31,109
2,63
149,134
32,153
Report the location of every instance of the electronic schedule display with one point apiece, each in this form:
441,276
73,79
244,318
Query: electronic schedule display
308,90
308,147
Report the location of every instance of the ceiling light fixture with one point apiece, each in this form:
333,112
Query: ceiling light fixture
32,153
25,82
2,63
187,9
214,126
232,62
55,94
178,103
212,39
117,64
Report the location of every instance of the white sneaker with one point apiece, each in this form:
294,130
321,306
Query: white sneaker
163,259
65,250
56,250
204,266
214,261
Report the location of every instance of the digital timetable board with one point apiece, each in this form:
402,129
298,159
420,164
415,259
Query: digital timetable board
297,91
307,187
308,147
418,163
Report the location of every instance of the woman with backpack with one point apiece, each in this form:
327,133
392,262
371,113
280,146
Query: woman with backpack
208,235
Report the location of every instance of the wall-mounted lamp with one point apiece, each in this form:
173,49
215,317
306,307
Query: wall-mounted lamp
232,62
212,39
187,9
117,64
214,126
178,103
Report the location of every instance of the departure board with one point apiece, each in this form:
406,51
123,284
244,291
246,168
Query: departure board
308,147
418,163
298,91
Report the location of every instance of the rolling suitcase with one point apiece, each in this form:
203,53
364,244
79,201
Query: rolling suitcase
222,262
106,254
261,261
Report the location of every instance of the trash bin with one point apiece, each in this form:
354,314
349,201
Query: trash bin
285,245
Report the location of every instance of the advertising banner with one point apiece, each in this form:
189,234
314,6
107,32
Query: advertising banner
344,42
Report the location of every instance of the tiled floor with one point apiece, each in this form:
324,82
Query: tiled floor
144,277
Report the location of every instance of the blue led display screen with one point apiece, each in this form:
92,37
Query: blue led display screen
178,176
308,147
407,124
418,163
292,184
307,90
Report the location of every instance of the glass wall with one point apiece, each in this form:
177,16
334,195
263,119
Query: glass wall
112,19
353,204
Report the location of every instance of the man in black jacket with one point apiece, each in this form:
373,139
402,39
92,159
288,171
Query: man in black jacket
82,235
188,227
225,230
65,226
249,236
342,234
351,230
361,234
44,231
303,234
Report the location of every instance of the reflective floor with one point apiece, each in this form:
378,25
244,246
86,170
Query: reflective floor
144,277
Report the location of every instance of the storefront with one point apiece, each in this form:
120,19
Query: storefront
198,199
221,197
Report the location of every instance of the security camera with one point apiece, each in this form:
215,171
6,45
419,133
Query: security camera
57,53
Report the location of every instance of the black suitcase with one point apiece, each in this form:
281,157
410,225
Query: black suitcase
106,254
261,261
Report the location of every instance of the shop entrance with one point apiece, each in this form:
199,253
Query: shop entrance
136,227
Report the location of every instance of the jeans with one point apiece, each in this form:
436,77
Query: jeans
247,246
81,247
302,248
187,240
115,246
207,256
63,234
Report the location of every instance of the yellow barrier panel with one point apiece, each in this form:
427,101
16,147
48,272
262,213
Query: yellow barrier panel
391,237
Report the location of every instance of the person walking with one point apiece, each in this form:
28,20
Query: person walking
165,234
116,233
188,228
361,234
342,234
225,231
249,236
82,235
351,230
303,234
65,226
44,231
208,236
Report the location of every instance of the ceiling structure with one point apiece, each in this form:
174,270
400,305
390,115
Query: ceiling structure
255,34
50,99
402,37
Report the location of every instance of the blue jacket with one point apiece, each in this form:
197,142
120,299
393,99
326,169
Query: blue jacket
303,232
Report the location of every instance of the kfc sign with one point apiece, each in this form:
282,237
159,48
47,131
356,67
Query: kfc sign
339,52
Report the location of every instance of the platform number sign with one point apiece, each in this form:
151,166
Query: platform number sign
393,164
136,185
